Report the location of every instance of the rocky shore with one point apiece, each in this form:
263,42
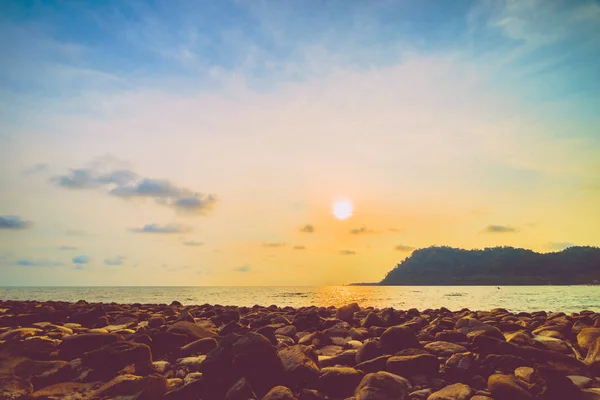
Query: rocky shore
59,350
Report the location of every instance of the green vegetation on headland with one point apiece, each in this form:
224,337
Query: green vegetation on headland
496,266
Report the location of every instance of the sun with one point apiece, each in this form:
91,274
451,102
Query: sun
342,209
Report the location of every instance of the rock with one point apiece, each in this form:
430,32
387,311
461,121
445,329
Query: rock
461,367
20,333
29,368
526,374
76,345
582,382
472,326
151,387
160,367
398,338
421,394
585,338
457,391
12,387
193,364
339,381
369,350
192,330
593,357
157,321
241,390
117,355
289,331
506,387
346,358
372,319
346,313
590,394
308,319
554,385
63,390
506,363
257,359
383,386
279,393
444,349
373,365
200,346
419,364
299,365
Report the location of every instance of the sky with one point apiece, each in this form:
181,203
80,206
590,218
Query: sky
206,142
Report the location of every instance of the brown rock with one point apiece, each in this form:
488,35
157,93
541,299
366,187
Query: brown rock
444,349
457,391
506,387
76,345
383,386
192,330
279,393
299,365
419,364
339,381
397,338
200,346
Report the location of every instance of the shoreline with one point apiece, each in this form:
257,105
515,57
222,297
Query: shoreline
169,351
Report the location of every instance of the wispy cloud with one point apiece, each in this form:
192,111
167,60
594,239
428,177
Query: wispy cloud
307,229
167,229
274,244
361,231
193,243
403,247
126,184
36,169
347,252
81,259
243,268
14,222
500,229
75,232
299,248
118,260
66,248
27,262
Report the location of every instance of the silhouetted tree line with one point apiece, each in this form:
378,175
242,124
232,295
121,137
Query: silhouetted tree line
443,265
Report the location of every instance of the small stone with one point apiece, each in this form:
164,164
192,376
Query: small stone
457,391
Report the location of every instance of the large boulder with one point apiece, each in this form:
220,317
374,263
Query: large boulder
507,387
383,386
299,365
587,337
192,330
397,338
76,346
457,391
115,356
279,393
339,381
410,365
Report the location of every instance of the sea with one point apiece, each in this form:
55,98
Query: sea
513,298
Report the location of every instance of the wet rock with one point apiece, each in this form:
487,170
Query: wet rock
398,338
421,394
279,393
12,387
419,364
192,330
257,359
339,381
587,337
151,387
193,364
373,365
63,390
372,319
368,351
299,366
383,386
115,356
157,321
506,387
75,346
346,358
20,333
241,390
346,313
581,382
308,319
473,327
461,367
593,357
526,374
200,346
444,349
289,331
457,391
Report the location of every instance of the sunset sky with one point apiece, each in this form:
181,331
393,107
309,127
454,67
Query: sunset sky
205,142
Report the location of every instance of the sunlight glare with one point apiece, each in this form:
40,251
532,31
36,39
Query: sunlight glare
342,209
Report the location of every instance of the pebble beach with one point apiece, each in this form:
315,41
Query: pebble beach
66,350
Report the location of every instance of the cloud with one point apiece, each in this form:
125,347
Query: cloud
243,268
193,243
156,228
500,229
361,231
274,244
67,248
560,245
403,247
298,248
126,184
13,222
347,252
34,169
26,262
81,260
118,260
75,232
307,228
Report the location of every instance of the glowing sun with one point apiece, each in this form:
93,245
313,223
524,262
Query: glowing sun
342,209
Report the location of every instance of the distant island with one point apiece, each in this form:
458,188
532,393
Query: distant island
443,265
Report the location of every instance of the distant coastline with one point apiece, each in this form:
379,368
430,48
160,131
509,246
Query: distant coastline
498,266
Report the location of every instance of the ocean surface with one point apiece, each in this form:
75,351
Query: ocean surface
512,298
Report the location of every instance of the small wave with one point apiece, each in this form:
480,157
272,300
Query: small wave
454,294
294,295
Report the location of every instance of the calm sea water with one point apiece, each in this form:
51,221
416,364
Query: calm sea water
513,298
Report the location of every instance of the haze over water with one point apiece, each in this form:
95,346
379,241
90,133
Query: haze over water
514,298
